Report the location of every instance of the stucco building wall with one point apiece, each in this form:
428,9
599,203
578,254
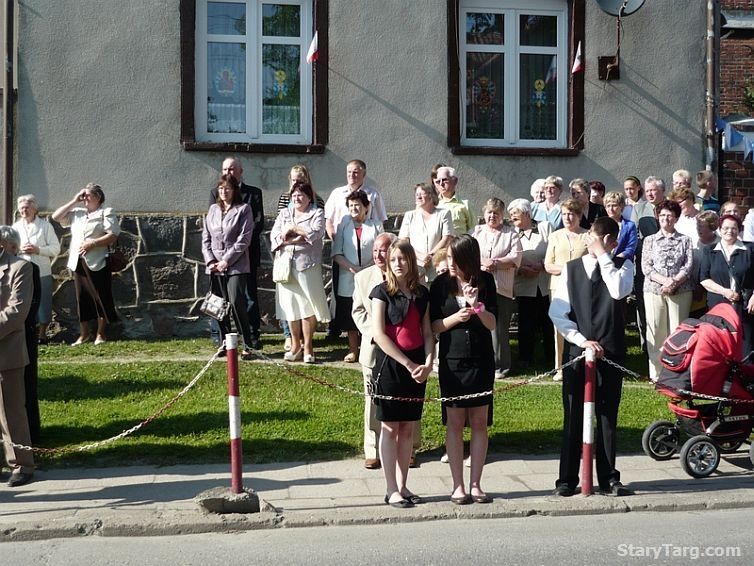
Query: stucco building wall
99,99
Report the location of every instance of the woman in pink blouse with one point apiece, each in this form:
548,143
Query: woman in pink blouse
501,255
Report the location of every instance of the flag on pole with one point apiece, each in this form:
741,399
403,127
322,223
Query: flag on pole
313,53
552,72
748,148
577,66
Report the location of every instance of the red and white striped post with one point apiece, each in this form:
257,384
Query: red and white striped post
234,408
587,453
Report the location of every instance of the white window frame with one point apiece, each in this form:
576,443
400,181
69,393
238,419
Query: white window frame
511,51
254,41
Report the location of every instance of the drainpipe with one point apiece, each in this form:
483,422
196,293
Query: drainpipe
710,158
7,116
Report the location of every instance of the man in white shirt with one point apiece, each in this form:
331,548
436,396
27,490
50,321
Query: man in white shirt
587,309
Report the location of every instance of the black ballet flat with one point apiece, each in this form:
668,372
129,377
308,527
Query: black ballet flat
400,504
414,499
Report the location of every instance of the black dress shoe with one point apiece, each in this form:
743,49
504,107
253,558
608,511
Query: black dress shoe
256,343
563,490
616,489
19,478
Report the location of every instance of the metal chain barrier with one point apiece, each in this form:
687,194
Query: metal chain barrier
369,393
685,392
129,431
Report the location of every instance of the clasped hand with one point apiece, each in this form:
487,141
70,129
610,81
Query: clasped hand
419,373
86,245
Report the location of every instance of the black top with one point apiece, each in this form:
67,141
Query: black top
713,266
468,339
597,315
398,304
253,197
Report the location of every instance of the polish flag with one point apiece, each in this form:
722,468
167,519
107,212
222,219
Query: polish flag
577,65
313,53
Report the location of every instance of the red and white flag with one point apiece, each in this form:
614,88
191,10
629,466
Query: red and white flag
313,53
577,65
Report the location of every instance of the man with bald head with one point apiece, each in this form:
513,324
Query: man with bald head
253,197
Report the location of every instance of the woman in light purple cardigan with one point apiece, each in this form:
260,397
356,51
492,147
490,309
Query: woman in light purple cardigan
225,241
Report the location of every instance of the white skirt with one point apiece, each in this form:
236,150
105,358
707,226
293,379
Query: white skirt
303,296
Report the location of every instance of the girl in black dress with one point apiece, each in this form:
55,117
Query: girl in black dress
463,310
405,352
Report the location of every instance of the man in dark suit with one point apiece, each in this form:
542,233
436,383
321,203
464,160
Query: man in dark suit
253,197
587,309
16,290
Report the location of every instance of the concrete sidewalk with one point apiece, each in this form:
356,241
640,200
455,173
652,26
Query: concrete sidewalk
148,500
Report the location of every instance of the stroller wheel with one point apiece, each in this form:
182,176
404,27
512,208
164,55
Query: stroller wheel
729,446
700,456
660,440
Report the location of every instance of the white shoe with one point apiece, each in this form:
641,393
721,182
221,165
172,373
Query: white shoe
293,356
287,346
309,359
558,377
467,462
444,458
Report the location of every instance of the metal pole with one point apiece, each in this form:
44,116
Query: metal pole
587,455
234,408
7,117
711,98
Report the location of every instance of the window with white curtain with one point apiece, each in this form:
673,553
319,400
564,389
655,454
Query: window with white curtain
513,78
253,84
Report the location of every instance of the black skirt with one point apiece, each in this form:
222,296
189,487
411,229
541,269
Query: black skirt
462,376
391,378
343,318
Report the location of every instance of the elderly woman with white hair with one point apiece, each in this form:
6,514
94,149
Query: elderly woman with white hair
39,245
531,287
537,191
549,209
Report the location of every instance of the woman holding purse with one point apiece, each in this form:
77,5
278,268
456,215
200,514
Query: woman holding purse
225,239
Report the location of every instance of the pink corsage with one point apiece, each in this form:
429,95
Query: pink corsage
479,308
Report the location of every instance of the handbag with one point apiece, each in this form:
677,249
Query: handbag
215,306
281,267
117,260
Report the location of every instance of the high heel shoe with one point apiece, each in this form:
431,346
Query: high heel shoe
294,356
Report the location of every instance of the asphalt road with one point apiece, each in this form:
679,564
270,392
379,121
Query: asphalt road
679,538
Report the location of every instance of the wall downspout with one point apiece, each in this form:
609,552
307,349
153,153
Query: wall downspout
711,94
7,117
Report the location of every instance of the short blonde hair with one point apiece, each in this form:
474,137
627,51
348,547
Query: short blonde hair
495,205
614,197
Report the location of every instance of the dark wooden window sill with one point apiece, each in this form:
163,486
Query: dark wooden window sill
515,151
235,147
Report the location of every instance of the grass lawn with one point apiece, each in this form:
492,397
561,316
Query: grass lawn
90,393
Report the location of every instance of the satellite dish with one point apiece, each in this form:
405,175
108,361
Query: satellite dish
613,7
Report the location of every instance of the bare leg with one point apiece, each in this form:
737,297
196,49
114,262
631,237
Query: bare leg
389,457
478,422
295,326
454,446
308,325
353,342
405,447
84,330
101,325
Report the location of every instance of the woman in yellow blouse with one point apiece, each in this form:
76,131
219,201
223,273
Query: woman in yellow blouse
563,246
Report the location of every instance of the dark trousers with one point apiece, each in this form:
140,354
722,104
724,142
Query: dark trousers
235,292
31,378
641,314
533,320
609,382
253,317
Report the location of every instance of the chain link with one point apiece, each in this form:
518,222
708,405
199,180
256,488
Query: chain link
370,393
129,431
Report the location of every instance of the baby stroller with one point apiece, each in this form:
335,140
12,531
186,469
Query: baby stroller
702,357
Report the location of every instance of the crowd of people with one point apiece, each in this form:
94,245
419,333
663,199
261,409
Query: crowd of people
440,295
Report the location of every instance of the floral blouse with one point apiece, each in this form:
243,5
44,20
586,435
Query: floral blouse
669,256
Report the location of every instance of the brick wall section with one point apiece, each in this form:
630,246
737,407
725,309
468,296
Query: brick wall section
736,67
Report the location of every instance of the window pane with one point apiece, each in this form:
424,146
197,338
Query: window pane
484,29
539,30
281,20
281,83
484,95
538,100
226,18
226,87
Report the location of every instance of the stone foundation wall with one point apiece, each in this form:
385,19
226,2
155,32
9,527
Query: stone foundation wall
159,293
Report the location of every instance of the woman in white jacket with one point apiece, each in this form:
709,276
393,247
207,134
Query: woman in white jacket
39,245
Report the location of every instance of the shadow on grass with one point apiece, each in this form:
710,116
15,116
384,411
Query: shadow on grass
170,454
69,387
